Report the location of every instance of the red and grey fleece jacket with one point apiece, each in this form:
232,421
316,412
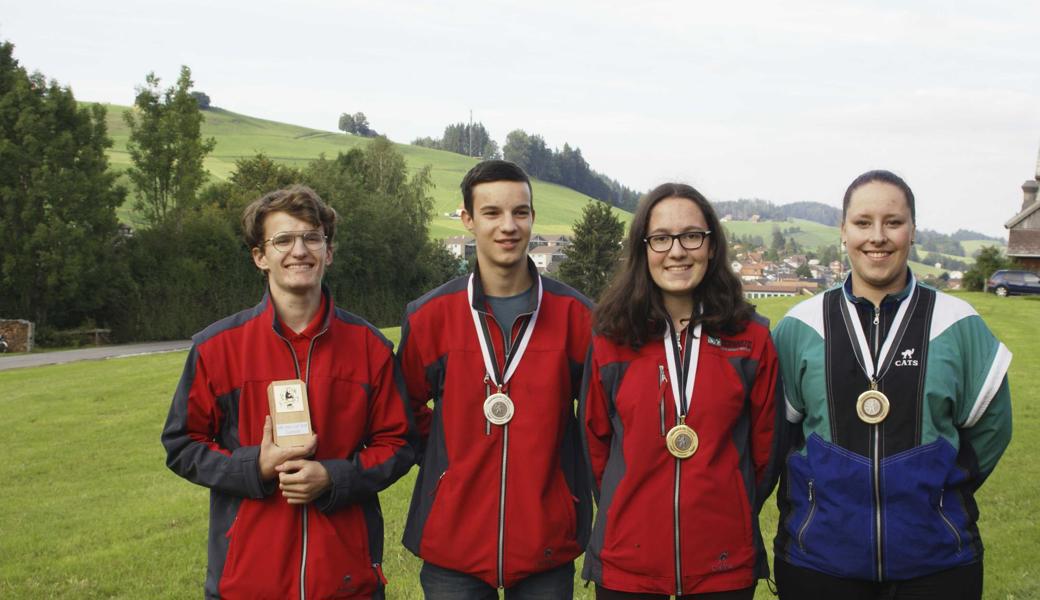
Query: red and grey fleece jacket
259,545
681,526
497,502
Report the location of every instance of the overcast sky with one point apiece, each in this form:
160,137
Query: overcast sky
785,101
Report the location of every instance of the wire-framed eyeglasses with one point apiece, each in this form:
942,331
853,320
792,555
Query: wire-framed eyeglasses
283,241
689,240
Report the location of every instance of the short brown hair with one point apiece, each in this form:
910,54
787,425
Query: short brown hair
299,201
490,171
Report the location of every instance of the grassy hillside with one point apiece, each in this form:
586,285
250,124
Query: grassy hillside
812,234
973,246
240,136
90,510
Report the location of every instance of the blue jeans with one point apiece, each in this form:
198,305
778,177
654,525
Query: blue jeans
444,584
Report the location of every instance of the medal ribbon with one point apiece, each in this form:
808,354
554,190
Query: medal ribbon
895,335
487,349
682,372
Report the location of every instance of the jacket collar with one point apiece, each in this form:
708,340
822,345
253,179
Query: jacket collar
895,298
267,306
480,298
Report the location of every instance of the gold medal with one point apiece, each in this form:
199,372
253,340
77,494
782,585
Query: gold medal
681,440
498,408
872,406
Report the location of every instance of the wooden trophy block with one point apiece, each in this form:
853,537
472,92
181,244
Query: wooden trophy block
290,412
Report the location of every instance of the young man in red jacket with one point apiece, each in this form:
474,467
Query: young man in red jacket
501,500
291,521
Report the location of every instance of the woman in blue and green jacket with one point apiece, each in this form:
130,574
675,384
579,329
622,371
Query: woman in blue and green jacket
900,395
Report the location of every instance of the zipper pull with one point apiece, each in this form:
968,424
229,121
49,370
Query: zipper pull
487,392
812,492
660,386
877,315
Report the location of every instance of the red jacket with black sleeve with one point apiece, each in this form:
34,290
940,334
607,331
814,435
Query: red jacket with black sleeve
681,526
497,502
259,545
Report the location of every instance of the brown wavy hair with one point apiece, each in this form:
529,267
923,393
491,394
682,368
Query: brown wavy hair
299,201
631,310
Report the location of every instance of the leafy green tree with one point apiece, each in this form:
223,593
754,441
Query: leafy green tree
60,263
252,178
594,252
356,124
383,257
427,142
990,259
207,275
829,254
202,99
361,126
469,140
791,246
803,271
166,147
346,123
778,240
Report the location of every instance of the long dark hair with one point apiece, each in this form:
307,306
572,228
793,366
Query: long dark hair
631,311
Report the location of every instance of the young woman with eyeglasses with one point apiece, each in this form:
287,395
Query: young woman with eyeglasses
679,414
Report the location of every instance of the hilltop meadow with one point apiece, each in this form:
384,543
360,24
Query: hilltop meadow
240,136
90,510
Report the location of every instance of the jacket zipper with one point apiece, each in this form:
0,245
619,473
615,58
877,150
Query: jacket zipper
502,505
303,509
809,517
661,380
942,513
876,465
505,455
876,459
678,559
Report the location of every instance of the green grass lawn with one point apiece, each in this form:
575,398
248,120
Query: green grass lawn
90,510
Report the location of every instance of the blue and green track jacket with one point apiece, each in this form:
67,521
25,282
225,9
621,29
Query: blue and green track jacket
894,500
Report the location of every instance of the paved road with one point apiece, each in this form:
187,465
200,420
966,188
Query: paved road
64,356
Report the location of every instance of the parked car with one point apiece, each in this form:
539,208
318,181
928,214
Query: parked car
1009,283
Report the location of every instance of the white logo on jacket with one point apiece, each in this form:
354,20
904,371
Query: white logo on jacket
908,358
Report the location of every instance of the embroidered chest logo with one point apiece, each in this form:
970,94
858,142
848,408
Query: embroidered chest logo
730,345
907,359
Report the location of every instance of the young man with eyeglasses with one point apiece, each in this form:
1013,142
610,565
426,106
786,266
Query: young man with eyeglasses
501,500
291,521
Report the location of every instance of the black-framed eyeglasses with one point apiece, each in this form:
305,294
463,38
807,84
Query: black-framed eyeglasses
689,240
283,241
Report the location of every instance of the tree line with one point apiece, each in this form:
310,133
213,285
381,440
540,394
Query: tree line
468,139
67,262
566,167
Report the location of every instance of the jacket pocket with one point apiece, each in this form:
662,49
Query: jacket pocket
809,515
949,524
338,558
